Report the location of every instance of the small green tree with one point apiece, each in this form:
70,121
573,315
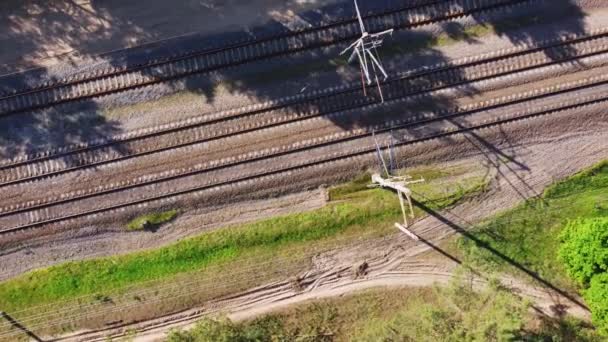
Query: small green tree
584,248
597,298
208,330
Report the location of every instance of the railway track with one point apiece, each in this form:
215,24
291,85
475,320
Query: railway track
289,168
103,82
226,124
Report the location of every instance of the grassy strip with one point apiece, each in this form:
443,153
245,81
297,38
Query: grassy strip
153,219
359,212
529,233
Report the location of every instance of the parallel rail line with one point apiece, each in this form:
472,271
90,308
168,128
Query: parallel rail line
317,162
106,83
325,104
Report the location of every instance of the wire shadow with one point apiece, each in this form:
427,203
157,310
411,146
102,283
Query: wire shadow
497,158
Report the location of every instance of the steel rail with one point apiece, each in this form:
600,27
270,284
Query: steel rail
130,80
354,91
292,168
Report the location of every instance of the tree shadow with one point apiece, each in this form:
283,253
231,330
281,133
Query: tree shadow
457,31
41,29
571,22
315,70
37,25
30,133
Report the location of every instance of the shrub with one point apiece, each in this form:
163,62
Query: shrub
462,314
151,220
584,248
597,298
264,329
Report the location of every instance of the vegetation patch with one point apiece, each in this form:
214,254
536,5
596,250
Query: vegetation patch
293,238
529,234
454,313
561,236
342,191
584,251
150,221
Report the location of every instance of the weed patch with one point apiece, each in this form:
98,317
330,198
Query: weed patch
150,221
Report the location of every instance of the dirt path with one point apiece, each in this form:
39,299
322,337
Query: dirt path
340,281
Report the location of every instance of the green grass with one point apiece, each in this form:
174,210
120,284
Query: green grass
529,233
363,212
153,219
342,191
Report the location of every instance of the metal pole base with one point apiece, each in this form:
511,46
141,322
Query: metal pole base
407,231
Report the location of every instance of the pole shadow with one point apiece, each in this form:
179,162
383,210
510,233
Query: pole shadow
482,244
19,326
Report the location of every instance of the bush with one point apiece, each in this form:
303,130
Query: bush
584,248
151,220
264,329
597,298
594,177
561,329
